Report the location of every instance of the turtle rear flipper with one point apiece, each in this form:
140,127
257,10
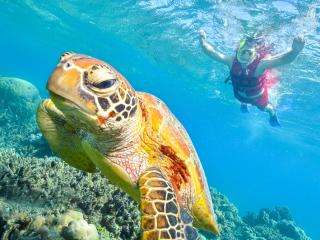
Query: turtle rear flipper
62,137
161,215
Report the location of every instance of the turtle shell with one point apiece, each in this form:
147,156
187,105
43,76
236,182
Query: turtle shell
170,149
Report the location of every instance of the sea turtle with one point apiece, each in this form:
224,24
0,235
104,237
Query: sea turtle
94,118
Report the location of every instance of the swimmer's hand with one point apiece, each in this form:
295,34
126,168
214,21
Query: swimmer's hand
212,52
202,34
298,44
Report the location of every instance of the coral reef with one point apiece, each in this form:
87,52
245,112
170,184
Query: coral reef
41,197
269,224
18,128
69,226
46,187
20,97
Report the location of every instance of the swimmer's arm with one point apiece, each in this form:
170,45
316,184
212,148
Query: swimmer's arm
282,58
212,52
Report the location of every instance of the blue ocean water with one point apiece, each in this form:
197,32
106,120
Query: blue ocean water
155,45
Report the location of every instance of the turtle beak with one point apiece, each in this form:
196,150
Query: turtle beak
67,84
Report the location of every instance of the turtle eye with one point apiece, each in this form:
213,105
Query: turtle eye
66,65
105,84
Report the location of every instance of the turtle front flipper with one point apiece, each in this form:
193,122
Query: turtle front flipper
62,138
161,215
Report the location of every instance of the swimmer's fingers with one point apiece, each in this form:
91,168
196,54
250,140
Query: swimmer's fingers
202,34
301,37
298,43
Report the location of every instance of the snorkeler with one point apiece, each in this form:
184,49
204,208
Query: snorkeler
250,70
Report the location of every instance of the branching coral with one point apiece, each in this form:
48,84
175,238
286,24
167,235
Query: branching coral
47,186
68,226
269,224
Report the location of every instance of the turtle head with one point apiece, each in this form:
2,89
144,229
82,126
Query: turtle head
91,92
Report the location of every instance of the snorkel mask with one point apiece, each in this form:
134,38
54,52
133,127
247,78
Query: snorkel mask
247,51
